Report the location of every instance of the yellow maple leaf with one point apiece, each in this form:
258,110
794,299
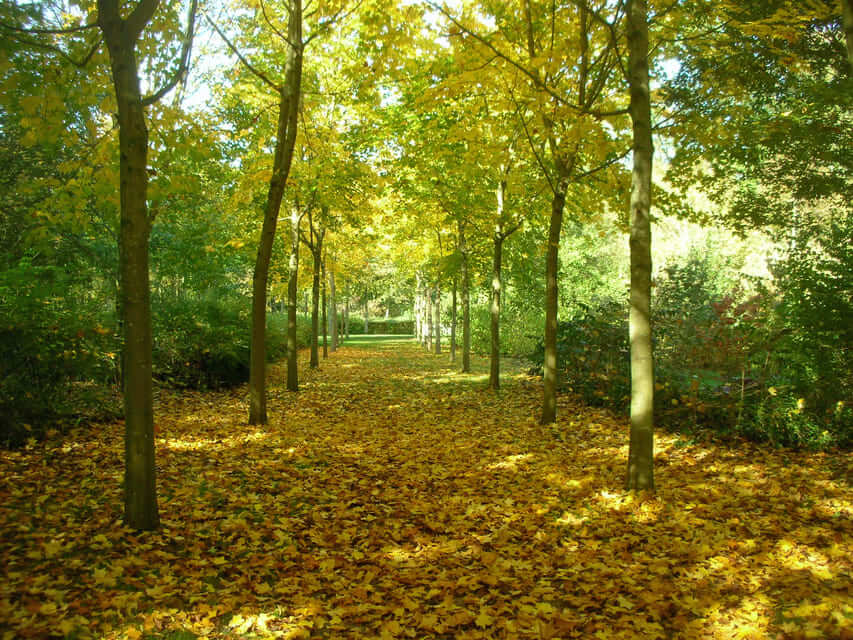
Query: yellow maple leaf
484,620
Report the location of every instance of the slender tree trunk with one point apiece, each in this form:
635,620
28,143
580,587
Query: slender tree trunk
641,450
333,320
495,353
315,310
466,303
283,157
453,322
366,322
292,291
140,485
429,319
325,340
423,314
417,310
346,316
549,400
848,31
437,319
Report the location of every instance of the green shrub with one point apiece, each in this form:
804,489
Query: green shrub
520,331
55,351
204,342
763,366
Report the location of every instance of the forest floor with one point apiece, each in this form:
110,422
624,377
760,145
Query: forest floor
394,497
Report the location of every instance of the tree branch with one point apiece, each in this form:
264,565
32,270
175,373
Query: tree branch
183,65
140,16
40,32
259,74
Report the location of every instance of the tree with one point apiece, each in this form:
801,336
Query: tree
314,241
505,226
289,93
333,316
640,454
296,215
571,91
121,36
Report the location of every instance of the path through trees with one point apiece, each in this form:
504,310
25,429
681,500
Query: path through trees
396,494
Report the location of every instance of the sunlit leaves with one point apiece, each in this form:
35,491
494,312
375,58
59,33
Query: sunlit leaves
398,497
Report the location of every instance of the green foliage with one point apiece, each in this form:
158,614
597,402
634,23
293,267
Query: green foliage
381,326
203,342
57,354
592,351
815,284
770,366
520,330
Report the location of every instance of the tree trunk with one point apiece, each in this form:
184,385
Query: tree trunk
495,352
292,290
325,341
848,31
549,400
140,485
315,310
333,320
366,324
453,323
346,315
466,304
437,319
641,450
417,310
423,314
283,156
429,319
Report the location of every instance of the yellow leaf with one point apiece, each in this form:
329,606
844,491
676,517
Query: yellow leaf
484,620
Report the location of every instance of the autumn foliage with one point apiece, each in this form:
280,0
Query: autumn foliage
394,497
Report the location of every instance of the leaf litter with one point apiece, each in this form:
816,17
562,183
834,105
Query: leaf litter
394,497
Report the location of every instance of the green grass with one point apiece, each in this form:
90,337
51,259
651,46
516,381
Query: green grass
374,341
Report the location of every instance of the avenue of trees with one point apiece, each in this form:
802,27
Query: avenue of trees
652,202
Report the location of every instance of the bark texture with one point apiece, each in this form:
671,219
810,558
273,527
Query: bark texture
495,314
641,450
848,31
323,319
140,490
315,312
333,306
437,320
314,241
466,302
552,266
292,291
453,322
283,156
429,318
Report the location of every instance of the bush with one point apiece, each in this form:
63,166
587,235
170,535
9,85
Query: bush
203,342
592,351
763,366
56,355
520,331
377,326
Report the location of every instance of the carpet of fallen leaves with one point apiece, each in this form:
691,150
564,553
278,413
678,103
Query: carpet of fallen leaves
394,497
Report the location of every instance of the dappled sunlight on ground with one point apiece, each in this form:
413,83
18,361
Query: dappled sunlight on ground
394,497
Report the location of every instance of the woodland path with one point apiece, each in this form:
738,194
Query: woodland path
394,497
